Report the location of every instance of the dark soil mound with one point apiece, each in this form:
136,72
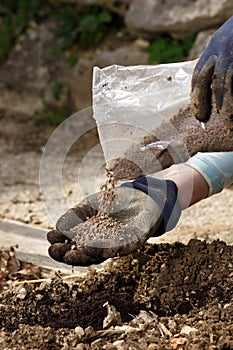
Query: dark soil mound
175,285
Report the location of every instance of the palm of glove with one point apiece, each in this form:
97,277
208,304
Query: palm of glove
212,77
138,213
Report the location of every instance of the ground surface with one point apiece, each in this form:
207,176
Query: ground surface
183,292
168,296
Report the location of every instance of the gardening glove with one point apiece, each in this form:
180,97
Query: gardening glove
212,77
146,207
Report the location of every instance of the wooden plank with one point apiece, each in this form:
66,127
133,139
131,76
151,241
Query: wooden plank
32,246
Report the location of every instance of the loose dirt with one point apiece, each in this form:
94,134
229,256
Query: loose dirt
173,141
94,227
100,226
168,296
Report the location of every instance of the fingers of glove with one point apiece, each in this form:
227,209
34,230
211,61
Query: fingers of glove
58,250
63,252
206,57
220,81
75,258
223,92
56,236
201,93
87,209
226,30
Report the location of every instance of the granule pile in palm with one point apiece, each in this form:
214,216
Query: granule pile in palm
102,225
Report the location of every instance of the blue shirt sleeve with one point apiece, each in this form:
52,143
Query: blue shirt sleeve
215,167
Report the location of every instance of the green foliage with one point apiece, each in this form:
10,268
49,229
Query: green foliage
52,113
15,16
57,90
72,60
7,38
67,29
86,29
19,182
92,27
166,50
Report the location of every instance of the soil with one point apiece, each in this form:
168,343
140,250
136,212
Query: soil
92,242
169,295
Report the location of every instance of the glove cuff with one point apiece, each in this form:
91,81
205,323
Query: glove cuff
164,193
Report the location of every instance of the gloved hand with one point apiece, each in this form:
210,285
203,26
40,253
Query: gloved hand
212,77
146,207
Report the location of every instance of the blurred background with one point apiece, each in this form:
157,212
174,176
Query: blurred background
48,48
47,53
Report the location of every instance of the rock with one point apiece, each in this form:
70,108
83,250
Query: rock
126,56
33,69
200,43
21,293
113,317
178,342
79,331
186,330
80,83
179,19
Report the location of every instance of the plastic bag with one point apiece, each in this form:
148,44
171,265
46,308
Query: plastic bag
132,106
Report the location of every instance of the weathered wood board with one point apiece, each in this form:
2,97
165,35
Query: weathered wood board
31,245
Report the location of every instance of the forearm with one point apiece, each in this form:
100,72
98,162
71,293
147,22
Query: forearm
192,186
201,176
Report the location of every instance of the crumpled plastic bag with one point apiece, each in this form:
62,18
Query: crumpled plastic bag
129,104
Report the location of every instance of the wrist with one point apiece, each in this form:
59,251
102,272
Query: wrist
192,186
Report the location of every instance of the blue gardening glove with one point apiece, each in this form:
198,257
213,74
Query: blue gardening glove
147,207
164,193
212,77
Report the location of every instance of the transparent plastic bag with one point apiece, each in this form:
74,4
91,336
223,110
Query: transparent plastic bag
132,106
